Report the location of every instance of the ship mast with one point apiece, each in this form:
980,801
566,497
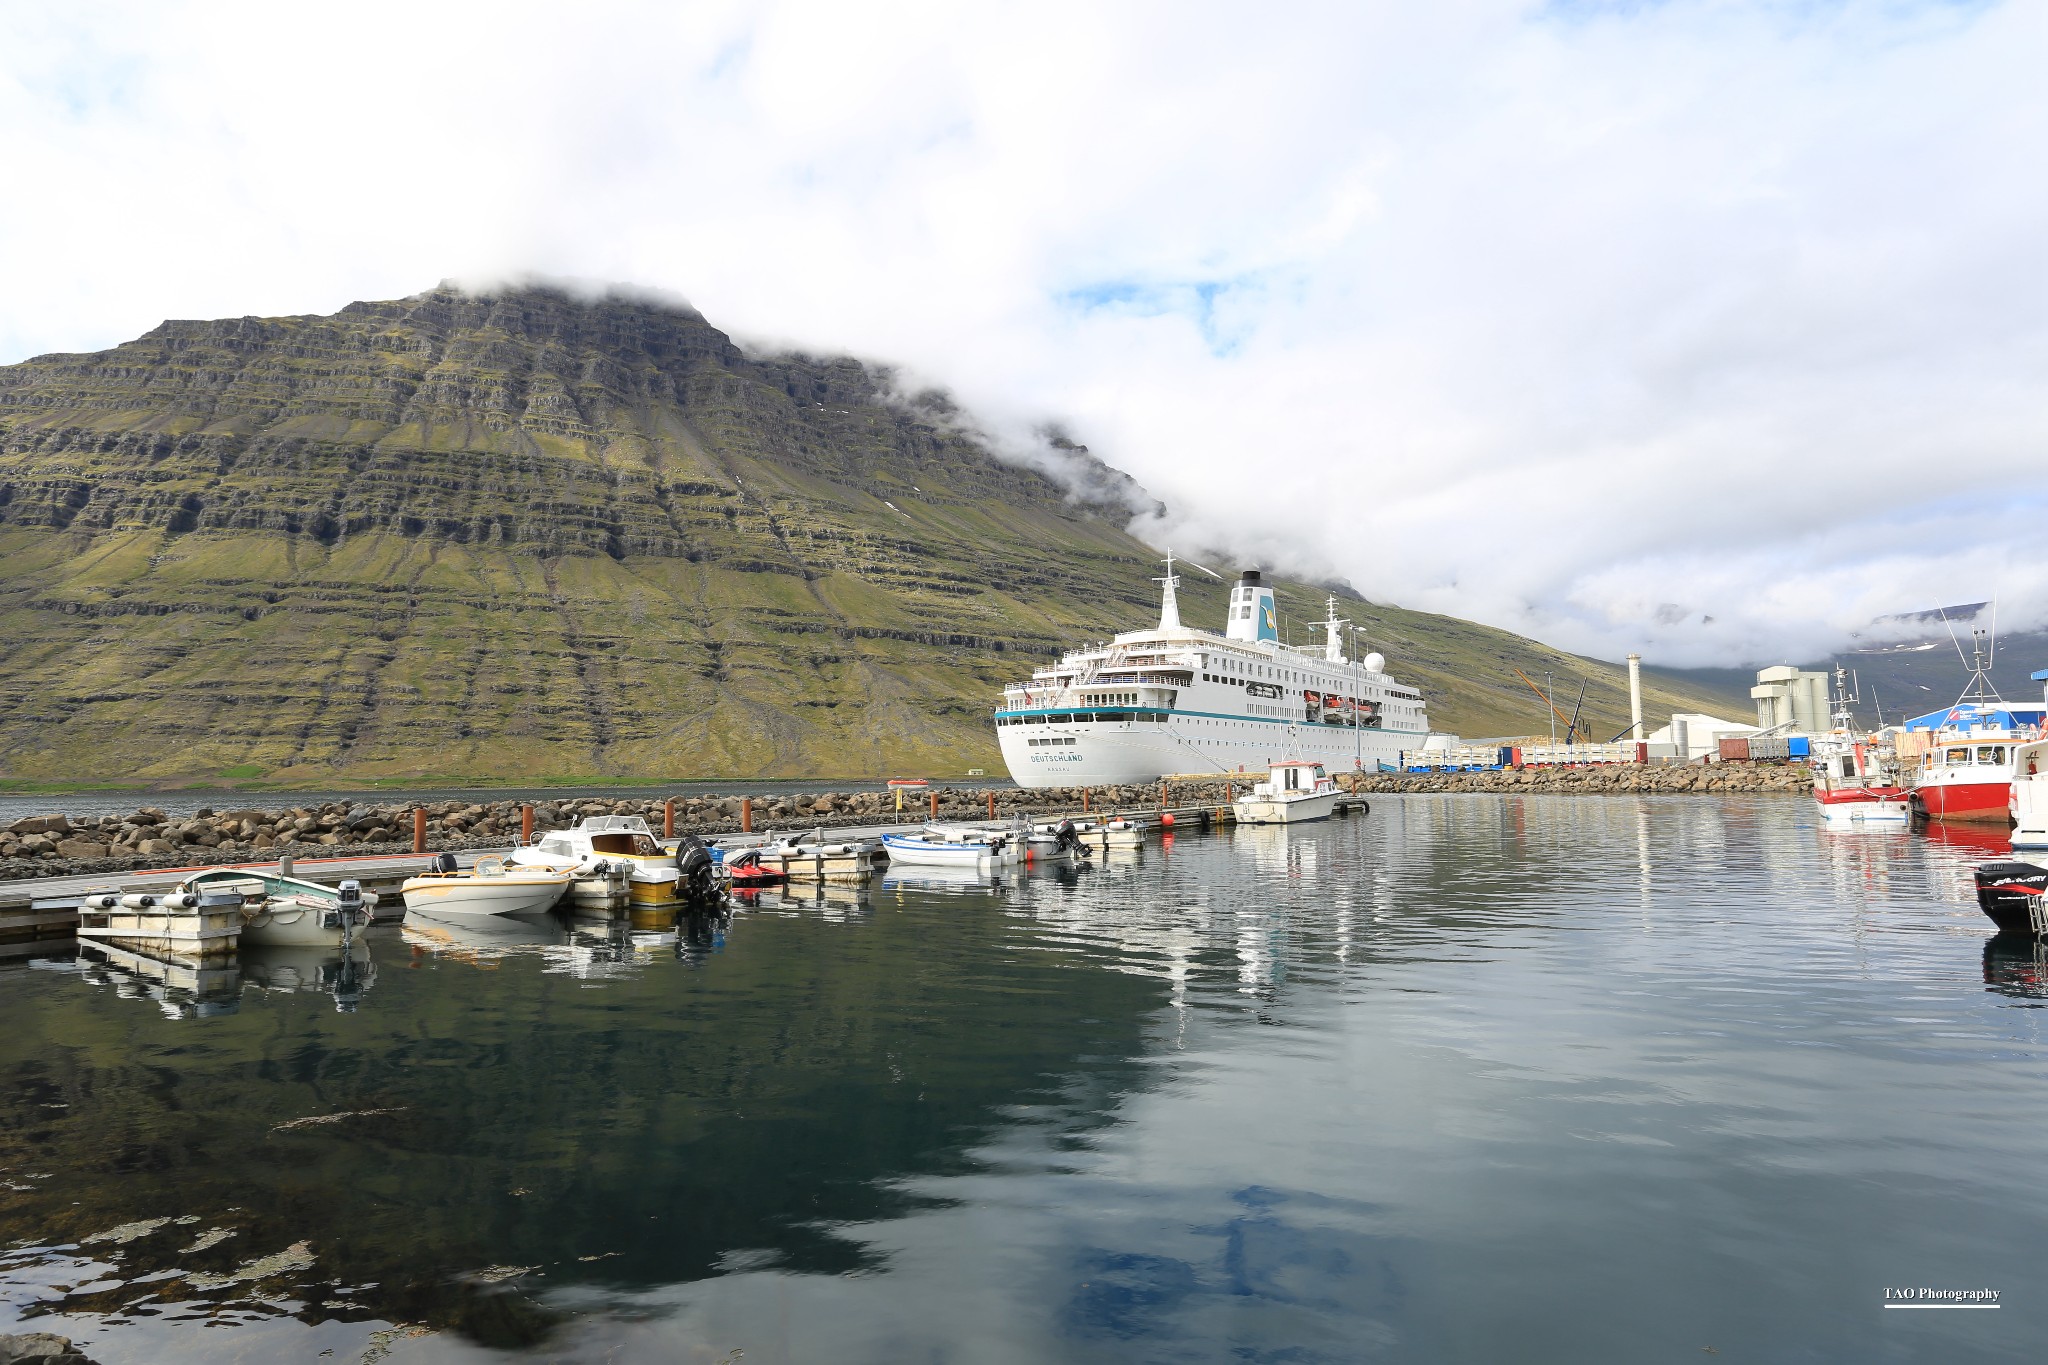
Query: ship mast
1169,603
1333,643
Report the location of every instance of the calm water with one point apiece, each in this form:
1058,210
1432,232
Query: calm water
1472,1079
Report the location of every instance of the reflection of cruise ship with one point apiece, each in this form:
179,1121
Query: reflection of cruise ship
1178,700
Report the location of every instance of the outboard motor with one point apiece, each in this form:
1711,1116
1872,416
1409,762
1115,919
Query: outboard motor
443,862
1067,840
699,882
2011,893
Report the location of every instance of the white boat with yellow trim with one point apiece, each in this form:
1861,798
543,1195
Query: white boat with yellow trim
653,873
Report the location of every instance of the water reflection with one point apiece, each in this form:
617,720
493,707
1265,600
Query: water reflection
1464,1076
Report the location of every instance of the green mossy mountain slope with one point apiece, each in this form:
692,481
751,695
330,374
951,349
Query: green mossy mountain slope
528,536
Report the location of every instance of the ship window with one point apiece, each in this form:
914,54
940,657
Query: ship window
1991,753
1954,756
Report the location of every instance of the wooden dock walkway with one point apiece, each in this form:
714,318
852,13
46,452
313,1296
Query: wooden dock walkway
39,909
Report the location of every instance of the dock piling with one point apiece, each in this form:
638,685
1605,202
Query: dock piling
746,815
991,805
526,824
932,804
668,818
419,829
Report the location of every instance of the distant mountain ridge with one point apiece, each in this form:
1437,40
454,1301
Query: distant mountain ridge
526,534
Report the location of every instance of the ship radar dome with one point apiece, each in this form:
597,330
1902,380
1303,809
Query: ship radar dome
1375,663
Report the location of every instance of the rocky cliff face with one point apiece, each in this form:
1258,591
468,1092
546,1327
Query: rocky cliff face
527,535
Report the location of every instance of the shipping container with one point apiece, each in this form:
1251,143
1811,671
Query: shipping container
1735,750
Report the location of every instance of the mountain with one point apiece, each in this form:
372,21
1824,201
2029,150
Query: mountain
529,535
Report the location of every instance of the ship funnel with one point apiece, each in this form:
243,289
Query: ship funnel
1252,617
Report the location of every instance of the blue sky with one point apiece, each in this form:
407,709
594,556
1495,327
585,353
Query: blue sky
1631,326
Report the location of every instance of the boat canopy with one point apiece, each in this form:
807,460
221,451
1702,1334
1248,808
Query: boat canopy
1965,716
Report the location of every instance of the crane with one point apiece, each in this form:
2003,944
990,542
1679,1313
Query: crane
1546,700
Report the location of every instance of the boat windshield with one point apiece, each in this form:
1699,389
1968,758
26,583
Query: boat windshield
1991,753
635,845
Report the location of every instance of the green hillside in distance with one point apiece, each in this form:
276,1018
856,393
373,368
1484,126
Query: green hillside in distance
528,536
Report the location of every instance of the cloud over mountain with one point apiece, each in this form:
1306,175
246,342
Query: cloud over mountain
1707,328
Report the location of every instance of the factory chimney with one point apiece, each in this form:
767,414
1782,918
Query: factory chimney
1635,695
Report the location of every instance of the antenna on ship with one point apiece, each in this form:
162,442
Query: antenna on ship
1169,604
1333,641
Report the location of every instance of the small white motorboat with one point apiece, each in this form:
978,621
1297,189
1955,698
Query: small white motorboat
948,846
1296,789
492,888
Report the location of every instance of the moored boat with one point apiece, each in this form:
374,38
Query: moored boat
2030,795
491,889
2011,893
286,912
655,875
1968,770
948,846
1852,785
1297,789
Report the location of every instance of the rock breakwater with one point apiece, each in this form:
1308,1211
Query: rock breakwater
54,845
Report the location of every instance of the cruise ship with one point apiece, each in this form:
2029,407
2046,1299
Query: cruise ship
1179,700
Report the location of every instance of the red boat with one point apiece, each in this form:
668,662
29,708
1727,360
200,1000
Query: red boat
1967,778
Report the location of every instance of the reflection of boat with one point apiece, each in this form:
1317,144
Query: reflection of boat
1297,789
183,987
973,876
280,911
2017,964
489,889
344,973
485,933
2011,894
1976,841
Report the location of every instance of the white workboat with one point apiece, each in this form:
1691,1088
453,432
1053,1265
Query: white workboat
2030,795
654,874
949,846
1297,789
286,912
491,889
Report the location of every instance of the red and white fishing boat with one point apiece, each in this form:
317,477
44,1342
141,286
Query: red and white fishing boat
1967,777
1852,780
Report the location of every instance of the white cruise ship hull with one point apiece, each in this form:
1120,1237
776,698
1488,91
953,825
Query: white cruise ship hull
1116,752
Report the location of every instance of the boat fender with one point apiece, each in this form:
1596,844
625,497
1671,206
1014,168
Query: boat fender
138,901
99,900
180,900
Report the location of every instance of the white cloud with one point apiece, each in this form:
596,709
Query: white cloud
1551,316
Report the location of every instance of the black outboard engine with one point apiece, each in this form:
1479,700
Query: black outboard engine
444,862
699,883
1068,840
2011,893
